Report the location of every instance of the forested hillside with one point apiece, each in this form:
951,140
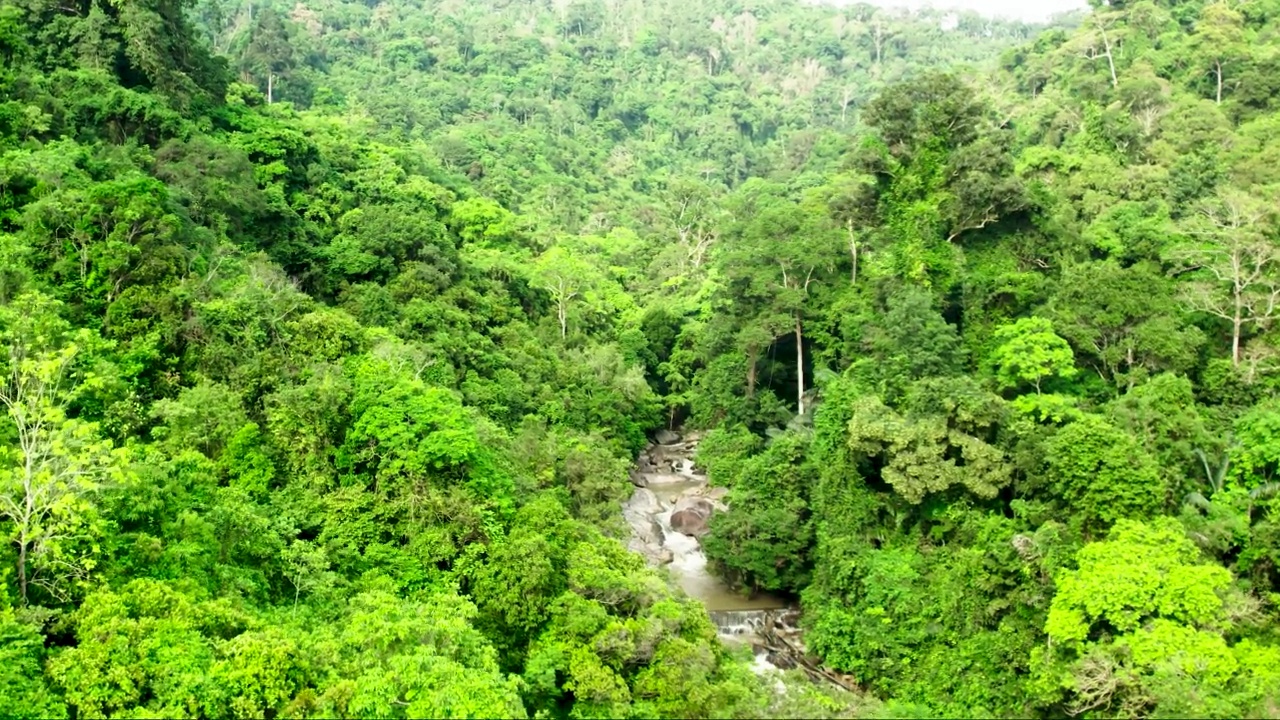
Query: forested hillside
332,329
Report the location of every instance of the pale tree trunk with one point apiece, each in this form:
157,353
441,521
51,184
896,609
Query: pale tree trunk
271,81
1218,66
22,567
561,294
1111,63
752,357
1128,366
49,473
1237,323
799,367
25,513
853,253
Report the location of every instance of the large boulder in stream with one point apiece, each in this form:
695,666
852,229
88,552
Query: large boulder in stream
691,516
642,505
666,437
639,511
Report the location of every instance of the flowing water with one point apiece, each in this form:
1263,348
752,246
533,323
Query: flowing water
689,569
671,491
667,482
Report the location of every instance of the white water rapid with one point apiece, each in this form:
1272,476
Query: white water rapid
668,513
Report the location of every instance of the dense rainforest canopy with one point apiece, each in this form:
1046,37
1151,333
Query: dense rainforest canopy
332,328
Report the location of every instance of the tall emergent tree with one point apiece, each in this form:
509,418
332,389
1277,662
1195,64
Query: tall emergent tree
56,462
778,251
1236,259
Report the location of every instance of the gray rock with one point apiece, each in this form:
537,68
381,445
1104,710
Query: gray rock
647,539
714,494
639,479
689,522
642,502
694,501
666,437
691,516
665,557
656,479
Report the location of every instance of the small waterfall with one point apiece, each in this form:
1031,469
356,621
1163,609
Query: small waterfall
754,623
739,623
667,482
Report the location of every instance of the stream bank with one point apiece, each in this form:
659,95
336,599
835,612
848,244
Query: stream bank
668,513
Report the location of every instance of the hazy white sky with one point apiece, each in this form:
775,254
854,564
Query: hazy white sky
1022,9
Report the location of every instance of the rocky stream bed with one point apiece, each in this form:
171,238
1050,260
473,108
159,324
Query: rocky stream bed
668,514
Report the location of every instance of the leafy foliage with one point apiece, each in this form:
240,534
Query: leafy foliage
331,329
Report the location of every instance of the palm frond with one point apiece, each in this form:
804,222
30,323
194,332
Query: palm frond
1265,491
1208,474
1216,478
1198,501
1220,478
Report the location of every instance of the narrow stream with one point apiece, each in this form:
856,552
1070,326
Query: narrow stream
667,513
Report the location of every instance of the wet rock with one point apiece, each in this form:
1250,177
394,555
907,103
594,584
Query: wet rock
641,507
663,457
689,522
666,437
655,479
665,557
714,494
639,479
694,501
649,535
691,516
644,463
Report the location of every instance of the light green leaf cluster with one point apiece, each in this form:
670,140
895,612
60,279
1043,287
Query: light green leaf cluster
925,454
1142,572
1029,351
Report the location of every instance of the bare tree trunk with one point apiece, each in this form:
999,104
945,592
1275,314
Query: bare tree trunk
1128,366
1218,66
1236,324
22,568
853,253
799,368
751,372
271,79
1111,63
563,314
